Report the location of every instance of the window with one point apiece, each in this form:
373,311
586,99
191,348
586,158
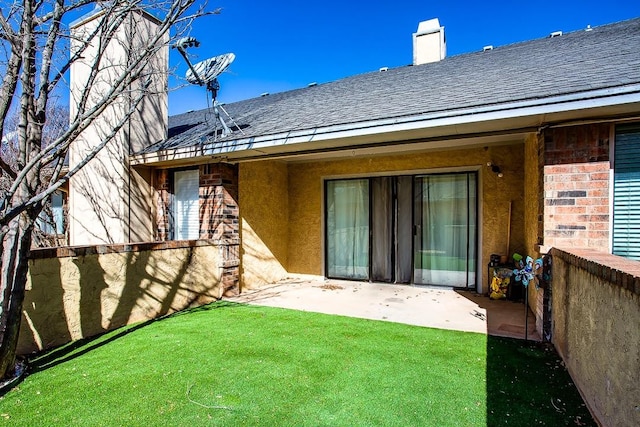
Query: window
626,192
186,219
51,219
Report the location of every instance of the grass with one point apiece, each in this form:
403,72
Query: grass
231,364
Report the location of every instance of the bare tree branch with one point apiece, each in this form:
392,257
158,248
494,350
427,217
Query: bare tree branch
68,8
7,90
47,54
32,35
11,214
128,76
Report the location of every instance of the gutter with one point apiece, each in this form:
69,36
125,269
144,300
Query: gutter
608,97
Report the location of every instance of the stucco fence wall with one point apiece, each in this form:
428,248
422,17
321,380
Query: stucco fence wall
596,330
73,293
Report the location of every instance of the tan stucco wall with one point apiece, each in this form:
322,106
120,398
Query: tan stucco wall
72,297
264,212
595,329
266,232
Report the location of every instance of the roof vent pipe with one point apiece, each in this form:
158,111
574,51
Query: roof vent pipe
486,48
429,43
555,34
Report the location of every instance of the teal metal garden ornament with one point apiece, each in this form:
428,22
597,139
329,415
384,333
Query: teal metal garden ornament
526,272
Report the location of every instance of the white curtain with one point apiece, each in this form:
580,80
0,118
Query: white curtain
348,229
446,218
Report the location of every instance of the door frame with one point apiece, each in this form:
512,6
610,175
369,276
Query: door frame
461,169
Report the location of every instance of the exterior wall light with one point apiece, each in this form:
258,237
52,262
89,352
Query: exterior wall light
495,169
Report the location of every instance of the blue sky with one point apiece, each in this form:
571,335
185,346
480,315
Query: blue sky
283,45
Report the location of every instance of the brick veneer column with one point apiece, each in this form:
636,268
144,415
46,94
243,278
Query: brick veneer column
162,184
219,218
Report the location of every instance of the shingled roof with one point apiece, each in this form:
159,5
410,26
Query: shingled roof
600,58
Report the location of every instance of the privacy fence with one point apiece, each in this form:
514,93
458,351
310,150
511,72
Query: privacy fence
596,330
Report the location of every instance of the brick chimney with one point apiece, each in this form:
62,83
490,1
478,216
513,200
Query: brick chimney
429,44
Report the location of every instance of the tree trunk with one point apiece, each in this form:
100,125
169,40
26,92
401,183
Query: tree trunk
16,243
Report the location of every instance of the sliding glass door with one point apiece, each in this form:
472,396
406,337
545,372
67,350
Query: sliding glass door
445,236
402,229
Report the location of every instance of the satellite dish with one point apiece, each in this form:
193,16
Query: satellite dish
206,71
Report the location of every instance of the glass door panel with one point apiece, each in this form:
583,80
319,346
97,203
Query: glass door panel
382,248
445,232
347,226
404,229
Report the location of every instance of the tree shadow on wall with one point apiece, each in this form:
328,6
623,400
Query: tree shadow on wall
92,284
44,308
141,287
148,286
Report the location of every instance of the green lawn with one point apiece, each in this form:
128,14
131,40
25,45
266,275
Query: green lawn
232,364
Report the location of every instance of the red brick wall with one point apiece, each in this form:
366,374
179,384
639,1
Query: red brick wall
577,144
576,187
218,202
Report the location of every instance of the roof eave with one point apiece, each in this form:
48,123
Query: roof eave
498,117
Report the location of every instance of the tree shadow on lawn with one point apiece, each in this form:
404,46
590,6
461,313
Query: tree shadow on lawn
528,385
53,357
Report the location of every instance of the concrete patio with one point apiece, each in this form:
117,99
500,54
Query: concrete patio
430,306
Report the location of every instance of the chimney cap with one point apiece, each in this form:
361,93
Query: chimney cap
429,26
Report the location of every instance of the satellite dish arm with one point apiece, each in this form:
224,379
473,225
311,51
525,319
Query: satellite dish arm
183,43
196,75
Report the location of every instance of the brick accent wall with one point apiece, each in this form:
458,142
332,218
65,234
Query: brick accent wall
576,187
218,210
218,201
577,144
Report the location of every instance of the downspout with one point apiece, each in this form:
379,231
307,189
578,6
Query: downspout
128,154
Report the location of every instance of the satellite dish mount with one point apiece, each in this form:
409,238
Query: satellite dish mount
205,73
